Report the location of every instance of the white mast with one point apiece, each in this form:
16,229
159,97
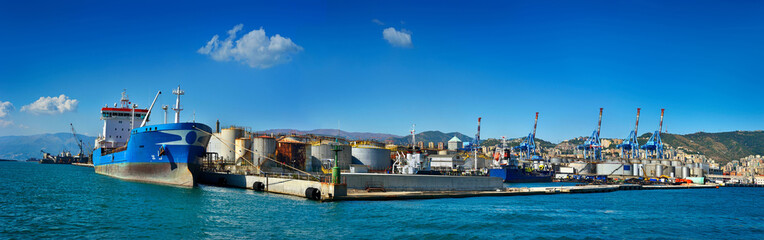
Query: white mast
413,137
165,113
177,103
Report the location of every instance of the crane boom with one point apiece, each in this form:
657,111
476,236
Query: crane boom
636,125
599,123
535,122
660,128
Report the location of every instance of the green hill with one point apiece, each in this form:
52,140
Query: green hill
432,136
722,147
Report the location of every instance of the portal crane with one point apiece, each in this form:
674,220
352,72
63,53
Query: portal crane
80,144
654,145
528,146
592,146
630,145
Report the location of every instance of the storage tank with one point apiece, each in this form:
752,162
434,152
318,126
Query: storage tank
215,145
659,170
685,172
697,172
243,156
676,163
320,152
228,136
376,158
636,169
613,168
583,168
263,147
668,171
649,169
293,153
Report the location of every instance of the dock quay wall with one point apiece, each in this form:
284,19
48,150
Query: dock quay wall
402,182
295,187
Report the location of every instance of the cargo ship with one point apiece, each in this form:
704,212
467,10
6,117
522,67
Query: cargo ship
512,171
129,149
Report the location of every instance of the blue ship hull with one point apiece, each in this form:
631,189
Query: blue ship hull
164,154
515,175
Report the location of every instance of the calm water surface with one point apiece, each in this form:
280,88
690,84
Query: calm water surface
63,201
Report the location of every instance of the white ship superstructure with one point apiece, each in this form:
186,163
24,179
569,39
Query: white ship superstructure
118,121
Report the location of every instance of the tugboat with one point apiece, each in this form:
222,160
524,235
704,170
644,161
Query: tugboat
168,153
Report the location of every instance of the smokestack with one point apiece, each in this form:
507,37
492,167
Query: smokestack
217,126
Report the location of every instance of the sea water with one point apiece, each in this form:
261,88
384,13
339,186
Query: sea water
65,201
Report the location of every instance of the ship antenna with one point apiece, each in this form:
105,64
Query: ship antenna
177,103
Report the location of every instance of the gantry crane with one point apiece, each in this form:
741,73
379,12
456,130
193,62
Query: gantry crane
592,146
654,145
527,148
630,146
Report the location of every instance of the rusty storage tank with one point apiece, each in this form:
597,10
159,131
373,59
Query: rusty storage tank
377,158
228,136
243,155
263,147
322,151
292,153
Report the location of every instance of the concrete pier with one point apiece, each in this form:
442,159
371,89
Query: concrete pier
276,184
402,182
356,195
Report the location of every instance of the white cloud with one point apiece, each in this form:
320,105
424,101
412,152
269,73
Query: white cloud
51,105
5,108
5,123
254,48
397,38
380,23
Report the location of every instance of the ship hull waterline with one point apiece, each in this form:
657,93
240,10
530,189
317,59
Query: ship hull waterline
168,154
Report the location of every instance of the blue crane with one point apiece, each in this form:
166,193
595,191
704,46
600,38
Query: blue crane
654,145
592,146
630,145
528,146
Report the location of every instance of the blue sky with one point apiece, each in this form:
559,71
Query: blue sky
500,60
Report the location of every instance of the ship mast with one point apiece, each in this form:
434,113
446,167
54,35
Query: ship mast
177,103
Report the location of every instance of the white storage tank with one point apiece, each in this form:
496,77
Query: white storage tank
243,156
228,136
583,168
614,168
658,170
685,172
378,159
323,151
263,147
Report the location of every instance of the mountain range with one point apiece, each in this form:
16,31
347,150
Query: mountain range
25,147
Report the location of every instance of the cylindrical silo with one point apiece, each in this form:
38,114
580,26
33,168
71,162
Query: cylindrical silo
263,147
228,136
659,170
649,170
243,156
685,172
375,157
